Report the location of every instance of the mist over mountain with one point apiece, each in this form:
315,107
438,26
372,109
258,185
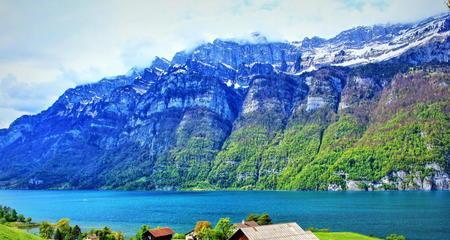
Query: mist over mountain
367,109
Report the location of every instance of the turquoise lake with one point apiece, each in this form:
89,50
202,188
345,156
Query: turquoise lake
415,214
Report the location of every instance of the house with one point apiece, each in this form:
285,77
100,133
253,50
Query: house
158,234
190,235
284,231
245,224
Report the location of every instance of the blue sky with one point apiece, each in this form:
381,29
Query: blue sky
49,46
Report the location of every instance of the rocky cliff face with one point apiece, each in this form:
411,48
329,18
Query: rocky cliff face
367,109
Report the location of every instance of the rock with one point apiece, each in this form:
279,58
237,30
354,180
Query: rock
334,187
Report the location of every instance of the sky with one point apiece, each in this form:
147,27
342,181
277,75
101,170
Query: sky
47,47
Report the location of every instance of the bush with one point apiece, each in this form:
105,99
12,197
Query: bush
395,237
313,229
263,219
179,236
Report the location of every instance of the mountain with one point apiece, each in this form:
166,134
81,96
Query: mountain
367,109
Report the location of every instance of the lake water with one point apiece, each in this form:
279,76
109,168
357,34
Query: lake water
415,214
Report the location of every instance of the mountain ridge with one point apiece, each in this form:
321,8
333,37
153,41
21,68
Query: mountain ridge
245,115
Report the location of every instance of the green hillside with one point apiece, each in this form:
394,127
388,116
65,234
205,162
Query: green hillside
404,127
8,233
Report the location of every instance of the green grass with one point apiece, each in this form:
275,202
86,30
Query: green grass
8,233
343,236
21,225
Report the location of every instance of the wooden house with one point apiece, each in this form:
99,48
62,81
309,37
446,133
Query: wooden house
284,231
158,234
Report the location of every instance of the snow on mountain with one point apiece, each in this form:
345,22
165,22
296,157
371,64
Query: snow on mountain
364,45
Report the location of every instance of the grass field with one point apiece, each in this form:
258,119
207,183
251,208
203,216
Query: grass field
9,233
343,236
21,225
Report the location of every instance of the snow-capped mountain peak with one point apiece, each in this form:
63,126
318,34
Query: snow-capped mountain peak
362,45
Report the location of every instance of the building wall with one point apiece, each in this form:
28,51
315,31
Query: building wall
239,235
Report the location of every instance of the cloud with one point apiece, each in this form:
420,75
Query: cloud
48,46
26,97
9,115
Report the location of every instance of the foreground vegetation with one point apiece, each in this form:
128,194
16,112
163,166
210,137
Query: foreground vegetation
10,217
343,236
224,229
204,230
63,231
10,233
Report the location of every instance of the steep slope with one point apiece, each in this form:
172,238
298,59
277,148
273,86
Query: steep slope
406,145
367,109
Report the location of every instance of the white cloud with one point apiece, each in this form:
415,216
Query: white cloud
48,46
9,115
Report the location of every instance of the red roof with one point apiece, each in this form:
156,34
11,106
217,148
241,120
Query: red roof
160,232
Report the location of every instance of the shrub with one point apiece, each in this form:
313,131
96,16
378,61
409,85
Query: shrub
395,237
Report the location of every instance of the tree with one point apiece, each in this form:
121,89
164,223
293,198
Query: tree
201,225
118,236
252,217
142,230
75,233
58,235
203,230
28,220
63,225
206,233
224,229
20,218
264,219
10,215
105,234
46,230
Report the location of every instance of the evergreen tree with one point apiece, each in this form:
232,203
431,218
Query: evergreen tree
75,233
58,235
142,230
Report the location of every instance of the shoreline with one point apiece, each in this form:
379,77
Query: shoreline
220,190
